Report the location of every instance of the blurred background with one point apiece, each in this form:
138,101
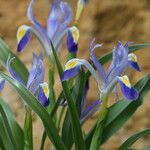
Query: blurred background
106,20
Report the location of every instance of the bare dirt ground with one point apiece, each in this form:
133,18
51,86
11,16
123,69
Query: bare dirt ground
108,21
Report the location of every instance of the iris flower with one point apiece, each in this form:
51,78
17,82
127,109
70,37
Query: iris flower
107,81
35,79
57,27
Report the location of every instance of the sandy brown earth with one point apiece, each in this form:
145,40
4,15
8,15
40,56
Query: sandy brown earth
108,21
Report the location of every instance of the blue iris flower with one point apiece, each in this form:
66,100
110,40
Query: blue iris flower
35,79
57,27
107,81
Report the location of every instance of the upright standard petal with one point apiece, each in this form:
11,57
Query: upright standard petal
43,94
2,83
72,39
59,17
119,61
97,64
23,37
36,75
132,61
129,92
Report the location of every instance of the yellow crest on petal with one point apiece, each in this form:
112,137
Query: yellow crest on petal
45,89
71,64
75,33
125,80
21,32
132,57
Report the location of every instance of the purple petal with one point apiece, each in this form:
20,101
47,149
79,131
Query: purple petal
35,23
134,65
12,72
97,64
70,73
36,75
71,45
59,18
83,103
119,61
129,93
44,100
24,41
89,111
2,83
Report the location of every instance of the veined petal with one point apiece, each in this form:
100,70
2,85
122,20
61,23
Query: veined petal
59,17
90,110
43,94
72,39
132,61
129,92
11,70
2,83
36,75
97,64
35,23
119,61
23,37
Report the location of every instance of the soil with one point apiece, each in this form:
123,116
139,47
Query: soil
106,20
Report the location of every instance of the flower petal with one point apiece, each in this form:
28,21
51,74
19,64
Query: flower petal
59,17
36,75
70,73
35,23
90,110
97,64
11,70
119,61
23,37
129,92
43,94
79,62
2,83
72,39
132,61
83,102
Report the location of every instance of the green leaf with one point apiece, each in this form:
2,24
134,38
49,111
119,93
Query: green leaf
78,137
39,109
16,132
17,64
121,111
8,128
130,141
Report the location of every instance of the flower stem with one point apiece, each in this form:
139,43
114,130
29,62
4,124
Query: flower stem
97,137
28,137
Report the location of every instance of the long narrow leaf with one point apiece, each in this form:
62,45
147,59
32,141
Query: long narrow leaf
15,128
39,109
8,128
78,137
130,141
